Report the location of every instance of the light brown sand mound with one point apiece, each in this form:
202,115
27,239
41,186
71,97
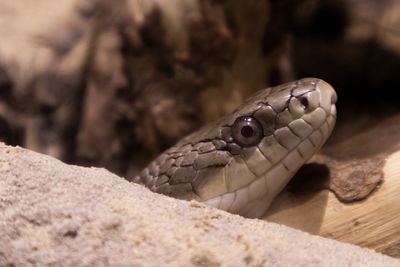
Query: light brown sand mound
55,214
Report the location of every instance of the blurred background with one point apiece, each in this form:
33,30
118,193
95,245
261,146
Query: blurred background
114,83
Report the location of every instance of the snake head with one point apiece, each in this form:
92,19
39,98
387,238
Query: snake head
242,161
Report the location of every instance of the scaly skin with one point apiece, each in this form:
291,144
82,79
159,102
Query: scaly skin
215,166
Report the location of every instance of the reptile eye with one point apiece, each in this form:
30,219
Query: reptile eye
247,131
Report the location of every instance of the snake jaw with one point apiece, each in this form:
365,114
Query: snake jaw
277,158
210,166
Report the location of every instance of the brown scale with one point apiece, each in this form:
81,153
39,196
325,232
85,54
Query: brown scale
197,160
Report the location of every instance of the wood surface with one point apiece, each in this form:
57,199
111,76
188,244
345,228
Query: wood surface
373,222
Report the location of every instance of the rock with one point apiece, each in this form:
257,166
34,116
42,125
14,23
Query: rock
54,214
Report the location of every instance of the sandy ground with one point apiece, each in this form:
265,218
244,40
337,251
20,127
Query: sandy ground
54,214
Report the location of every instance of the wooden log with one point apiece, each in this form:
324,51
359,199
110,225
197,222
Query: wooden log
373,222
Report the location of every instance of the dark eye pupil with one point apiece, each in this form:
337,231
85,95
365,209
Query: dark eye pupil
247,131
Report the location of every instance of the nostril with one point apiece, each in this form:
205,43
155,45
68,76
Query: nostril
304,101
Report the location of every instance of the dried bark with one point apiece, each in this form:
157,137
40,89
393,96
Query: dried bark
363,172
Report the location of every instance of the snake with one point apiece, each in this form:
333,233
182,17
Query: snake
242,161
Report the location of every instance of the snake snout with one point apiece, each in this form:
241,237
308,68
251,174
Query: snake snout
328,96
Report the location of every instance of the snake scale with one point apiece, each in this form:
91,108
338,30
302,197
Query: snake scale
242,161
